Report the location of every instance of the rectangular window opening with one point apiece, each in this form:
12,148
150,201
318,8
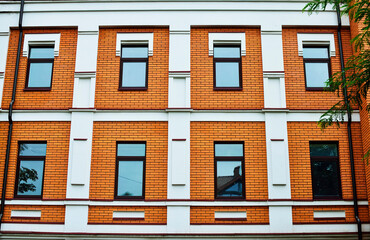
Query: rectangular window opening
30,173
316,67
134,67
40,68
227,73
229,170
130,172
325,171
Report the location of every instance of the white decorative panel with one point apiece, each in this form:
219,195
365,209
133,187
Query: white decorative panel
41,39
329,214
178,93
273,93
83,93
226,38
134,38
80,153
178,162
230,215
279,166
127,214
316,39
26,213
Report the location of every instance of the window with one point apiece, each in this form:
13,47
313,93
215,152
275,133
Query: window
134,67
229,170
30,173
40,68
227,68
130,172
316,66
325,170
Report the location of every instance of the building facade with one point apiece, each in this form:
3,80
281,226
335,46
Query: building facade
175,119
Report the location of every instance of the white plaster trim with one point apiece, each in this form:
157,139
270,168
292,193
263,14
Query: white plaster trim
274,75
41,39
268,32
4,34
316,39
182,203
179,74
134,38
128,214
36,116
226,38
180,32
130,116
85,74
329,214
314,116
225,214
230,117
26,213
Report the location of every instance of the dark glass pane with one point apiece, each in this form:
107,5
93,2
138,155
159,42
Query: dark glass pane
131,149
316,74
40,75
226,52
42,53
32,149
133,74
325,178
30,178
134,52
229,150
227,74
229,179
315,53
130,178
323,149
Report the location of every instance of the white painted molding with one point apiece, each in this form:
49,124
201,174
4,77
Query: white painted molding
180,32
224,214
128,214
329,214
41,39
273,75
88,32
4,34
85,74
26,213
226,38
316,39
134,38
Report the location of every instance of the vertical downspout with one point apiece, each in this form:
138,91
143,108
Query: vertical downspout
349,129
10,119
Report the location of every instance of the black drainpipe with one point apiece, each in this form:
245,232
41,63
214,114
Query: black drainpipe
10,119
349,129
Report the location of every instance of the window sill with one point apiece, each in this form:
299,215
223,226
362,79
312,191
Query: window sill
36,89
132,89
227,89
321,89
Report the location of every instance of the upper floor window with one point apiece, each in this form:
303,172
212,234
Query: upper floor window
40,68
229,170
325,170
317,66
134,67
130,173
227,67
30,173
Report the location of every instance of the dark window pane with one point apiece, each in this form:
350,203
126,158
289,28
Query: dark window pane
315,53
323,149
131,150
228,150
32,149
134,52
42,53
40,74
316,74
325,178
226,52
227,74
30,178
133,74
130,178
229,179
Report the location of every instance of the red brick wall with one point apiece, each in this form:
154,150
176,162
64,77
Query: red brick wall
296,95
203,135
107,95
299,135
49,214
202,94
103,161
61,93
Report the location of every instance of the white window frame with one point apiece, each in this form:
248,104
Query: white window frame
134,38
316,39
40,40
227,38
